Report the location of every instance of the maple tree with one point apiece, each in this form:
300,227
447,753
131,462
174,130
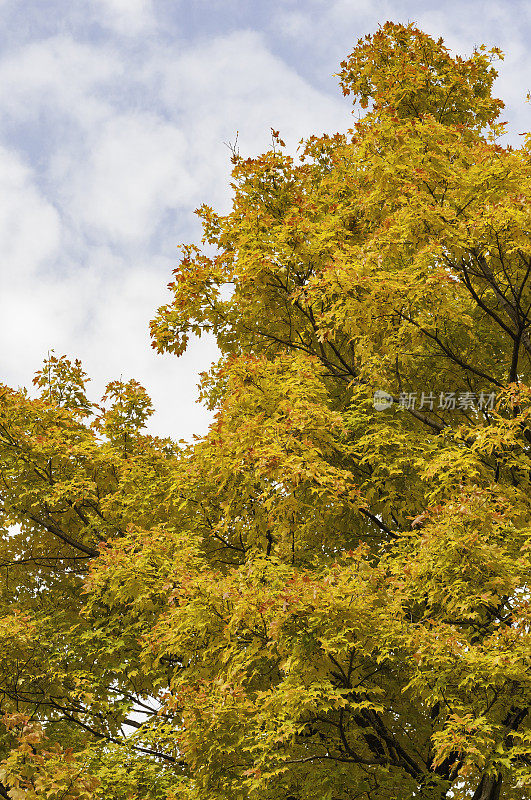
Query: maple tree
318,599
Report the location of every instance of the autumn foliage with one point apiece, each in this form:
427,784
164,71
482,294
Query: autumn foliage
318,599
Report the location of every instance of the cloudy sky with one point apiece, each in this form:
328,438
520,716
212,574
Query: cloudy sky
114,116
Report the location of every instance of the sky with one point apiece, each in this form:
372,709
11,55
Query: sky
115,121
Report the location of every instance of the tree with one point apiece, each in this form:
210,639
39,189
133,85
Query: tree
326,596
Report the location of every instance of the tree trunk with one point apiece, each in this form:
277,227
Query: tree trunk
489,788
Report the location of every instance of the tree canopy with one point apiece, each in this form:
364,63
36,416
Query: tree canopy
328,595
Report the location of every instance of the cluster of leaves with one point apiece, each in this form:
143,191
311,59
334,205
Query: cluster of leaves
318,598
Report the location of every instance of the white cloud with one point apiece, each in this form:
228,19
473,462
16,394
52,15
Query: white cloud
30,228
129,17
36,316
59,76
134,170
235,84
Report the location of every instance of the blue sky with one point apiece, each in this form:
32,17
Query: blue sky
114,116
